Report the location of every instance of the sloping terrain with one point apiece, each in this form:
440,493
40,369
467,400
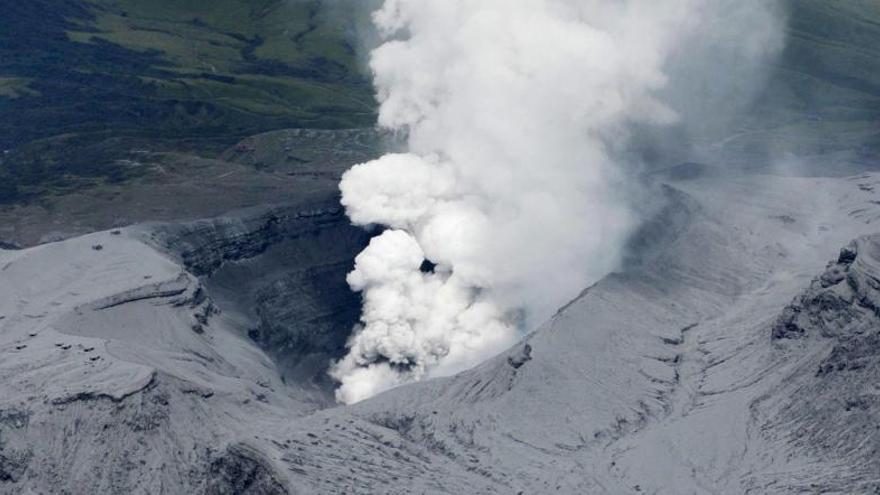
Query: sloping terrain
821,101
735,352
672,376
666,378
280,272
110,105
179,69
110,347
84,82
281,167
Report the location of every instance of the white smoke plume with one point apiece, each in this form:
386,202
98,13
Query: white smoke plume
512,111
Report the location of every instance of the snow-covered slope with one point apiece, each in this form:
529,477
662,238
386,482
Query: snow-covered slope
713,364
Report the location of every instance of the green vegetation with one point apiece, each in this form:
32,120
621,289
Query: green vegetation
14,87
85,82
81,78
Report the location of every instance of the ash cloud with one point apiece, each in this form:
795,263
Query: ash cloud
515,114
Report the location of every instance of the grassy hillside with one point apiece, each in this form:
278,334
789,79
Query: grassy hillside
76,76
84,83
167,67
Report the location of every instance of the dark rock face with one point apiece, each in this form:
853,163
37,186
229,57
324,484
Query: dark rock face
523,356
13,461
205,245
13,464
834,411
243,471
9,246
851,355
842,303
283,268
305,317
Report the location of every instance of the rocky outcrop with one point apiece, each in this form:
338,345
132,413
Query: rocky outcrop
282,269
13,461
242,470
843,303
205,245
831,406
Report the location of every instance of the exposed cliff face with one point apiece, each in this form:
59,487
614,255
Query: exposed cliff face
205,245
282,270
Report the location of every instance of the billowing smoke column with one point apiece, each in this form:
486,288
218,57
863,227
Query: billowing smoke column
512,110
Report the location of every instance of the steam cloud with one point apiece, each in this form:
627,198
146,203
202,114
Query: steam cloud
513,113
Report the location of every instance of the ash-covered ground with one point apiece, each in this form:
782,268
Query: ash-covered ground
173,277
736,353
